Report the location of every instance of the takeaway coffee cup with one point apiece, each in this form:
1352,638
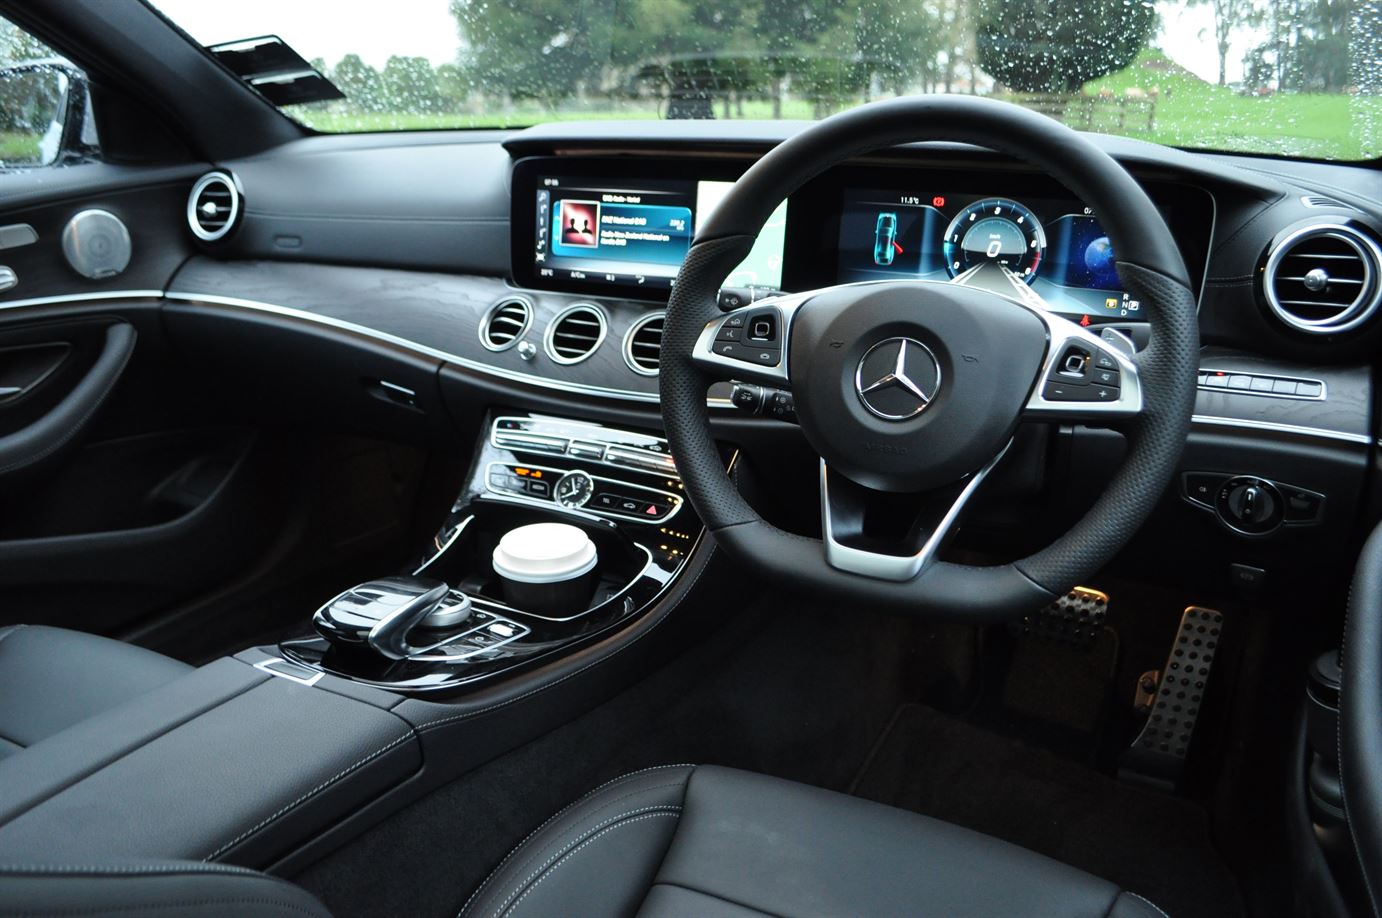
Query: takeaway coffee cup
547,568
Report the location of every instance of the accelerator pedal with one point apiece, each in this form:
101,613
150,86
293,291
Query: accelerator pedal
1158,755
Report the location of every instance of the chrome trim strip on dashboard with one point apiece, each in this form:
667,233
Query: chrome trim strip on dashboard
1274,427
79,297
541,382
292,313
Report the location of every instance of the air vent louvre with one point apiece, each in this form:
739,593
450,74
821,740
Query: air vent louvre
506,322
643,345
576,333
1323,279
1320,200
214,206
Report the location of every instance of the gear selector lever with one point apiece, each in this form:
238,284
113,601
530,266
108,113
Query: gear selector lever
380,614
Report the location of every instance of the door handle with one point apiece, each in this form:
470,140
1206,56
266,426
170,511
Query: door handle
48,437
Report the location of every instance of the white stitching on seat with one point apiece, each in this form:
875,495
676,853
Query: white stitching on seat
307,796
433,724
553,818
595,831
1148,902
574,851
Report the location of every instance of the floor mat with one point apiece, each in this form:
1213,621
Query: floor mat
1147,842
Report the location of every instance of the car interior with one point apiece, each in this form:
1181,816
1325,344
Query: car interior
928,507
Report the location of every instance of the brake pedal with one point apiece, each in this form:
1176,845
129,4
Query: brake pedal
1158,754
1076,618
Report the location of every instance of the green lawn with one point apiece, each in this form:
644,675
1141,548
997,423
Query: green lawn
17,147
1188,113
1193,113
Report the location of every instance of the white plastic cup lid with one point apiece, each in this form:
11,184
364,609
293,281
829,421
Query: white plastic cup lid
544,553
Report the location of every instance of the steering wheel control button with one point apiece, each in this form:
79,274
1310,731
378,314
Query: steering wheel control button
733,333
897,379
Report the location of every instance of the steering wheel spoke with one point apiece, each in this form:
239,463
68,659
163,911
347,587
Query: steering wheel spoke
1084,378
858,543
751,343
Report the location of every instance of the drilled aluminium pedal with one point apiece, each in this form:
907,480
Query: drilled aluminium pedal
1076,618
1159,753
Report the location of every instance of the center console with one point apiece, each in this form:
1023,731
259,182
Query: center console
493,593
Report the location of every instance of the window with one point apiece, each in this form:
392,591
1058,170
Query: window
45,110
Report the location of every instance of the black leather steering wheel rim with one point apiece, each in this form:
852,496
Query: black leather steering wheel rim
1150,267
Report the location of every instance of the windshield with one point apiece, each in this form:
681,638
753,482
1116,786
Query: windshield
1290,77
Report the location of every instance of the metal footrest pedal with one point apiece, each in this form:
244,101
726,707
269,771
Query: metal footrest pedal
1159,753
1076,618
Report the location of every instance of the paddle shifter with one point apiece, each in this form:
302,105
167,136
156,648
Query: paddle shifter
379,615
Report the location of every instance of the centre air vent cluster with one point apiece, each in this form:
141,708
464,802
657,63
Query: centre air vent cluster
576,333
1324,279
506,322
643,345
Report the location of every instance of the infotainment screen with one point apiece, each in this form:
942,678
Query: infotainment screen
1055,248
599,232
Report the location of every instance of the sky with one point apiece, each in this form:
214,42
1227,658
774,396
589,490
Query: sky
330,29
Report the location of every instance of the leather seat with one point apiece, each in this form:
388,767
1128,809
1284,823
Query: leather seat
674,842
717,843
52,678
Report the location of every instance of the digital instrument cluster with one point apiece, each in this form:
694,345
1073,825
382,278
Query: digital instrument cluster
1055,248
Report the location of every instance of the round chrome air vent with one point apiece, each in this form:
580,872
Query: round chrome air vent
643,345
576,333
505,323
1323,278
214,206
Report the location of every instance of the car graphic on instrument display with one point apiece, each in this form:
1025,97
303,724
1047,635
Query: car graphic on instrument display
885,239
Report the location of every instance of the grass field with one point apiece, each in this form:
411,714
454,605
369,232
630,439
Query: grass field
1189,113
18,147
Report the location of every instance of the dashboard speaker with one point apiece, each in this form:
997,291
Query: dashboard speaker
96,244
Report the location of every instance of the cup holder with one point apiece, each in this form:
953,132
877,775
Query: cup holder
467,563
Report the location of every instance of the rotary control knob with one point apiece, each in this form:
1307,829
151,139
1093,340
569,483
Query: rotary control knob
1249,505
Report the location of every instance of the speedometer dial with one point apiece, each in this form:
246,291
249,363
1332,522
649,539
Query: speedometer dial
995,231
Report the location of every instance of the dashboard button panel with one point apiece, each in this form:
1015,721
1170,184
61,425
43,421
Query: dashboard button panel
1262,384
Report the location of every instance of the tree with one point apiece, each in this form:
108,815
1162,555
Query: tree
897,42
410,85
1229,17
17,46
1058,46
360,82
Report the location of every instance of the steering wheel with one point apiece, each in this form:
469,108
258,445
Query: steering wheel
911,391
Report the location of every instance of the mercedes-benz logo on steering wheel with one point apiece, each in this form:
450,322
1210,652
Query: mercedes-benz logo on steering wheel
898,379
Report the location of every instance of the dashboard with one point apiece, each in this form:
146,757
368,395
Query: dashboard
622,228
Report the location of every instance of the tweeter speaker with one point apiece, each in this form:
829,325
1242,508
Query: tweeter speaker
96,244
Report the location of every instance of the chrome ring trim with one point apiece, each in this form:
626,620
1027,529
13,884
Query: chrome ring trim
634,329
582,306
1315,432
202,184
1357,312
528,312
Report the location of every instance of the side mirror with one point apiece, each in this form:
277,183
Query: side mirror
45,115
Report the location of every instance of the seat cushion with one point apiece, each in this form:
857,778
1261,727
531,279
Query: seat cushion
707,841
52,678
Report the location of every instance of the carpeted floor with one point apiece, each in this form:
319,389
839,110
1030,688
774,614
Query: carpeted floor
1148,842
